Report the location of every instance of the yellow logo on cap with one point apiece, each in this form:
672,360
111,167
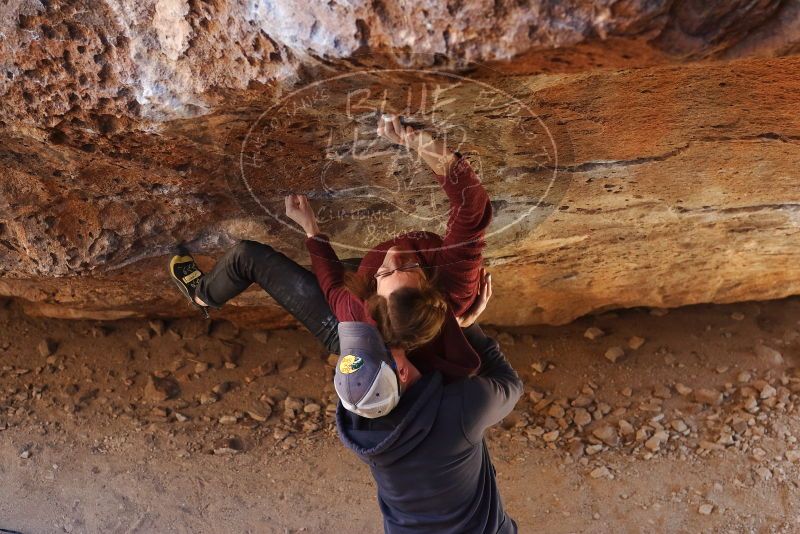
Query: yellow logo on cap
350,364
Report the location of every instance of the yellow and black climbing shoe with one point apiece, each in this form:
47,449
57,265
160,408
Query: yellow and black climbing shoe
187,277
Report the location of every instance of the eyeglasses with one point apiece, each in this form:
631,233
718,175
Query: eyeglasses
409,267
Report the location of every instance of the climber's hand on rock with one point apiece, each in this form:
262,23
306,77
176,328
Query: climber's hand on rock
299,210
434,152
389,128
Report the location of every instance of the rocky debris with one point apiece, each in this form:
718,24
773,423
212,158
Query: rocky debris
607,435
539,367
582,400
310,427
636,342
129,377
590,427
99,331
87,395
277,393
46,347
743,377
228,446
292,406
260,336
556,411
593,333
769,355
581,417
312,408
224,330
535,396
706,509
208,398
229,352
654,443
222,388
657,423
266,368
158,389
767,392
291,364
591,450
662,392
192,328
551,436
260,415
506,340
625,428
614,353
679,426
143,334
157,326
764,473
737,316
601,472
708,396
576,448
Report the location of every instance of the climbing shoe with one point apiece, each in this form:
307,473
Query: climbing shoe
187,277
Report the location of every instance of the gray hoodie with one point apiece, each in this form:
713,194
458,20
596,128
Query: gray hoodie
428,456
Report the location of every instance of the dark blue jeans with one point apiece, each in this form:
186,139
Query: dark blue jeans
292,286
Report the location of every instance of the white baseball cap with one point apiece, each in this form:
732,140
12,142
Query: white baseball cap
365,378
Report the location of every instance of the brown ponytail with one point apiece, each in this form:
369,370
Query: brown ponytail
409,318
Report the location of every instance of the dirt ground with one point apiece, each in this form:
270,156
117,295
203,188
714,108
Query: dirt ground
694,431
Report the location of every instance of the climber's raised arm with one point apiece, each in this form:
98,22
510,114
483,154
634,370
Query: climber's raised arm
461,254
324,262
432,151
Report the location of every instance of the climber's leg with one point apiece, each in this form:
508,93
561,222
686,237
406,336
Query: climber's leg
293,287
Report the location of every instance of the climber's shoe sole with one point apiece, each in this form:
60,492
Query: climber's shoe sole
187,276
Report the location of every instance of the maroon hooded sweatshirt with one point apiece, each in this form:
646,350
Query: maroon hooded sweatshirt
457,259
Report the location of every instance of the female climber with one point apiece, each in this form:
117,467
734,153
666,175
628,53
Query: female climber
413,287
419,289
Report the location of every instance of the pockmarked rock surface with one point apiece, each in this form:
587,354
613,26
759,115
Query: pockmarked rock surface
636,155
